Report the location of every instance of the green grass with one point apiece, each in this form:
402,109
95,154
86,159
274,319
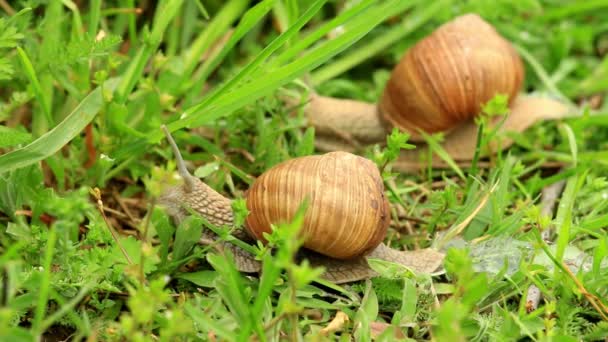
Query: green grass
86,86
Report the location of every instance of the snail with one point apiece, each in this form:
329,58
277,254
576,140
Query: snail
439,85
345,223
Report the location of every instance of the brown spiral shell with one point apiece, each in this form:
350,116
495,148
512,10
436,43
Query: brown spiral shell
347,215
444,79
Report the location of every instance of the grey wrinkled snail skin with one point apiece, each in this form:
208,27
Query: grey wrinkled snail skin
346,221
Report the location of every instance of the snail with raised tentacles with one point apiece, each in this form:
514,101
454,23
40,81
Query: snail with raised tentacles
345,223
439,85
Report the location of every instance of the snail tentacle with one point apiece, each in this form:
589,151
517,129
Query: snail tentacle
189,180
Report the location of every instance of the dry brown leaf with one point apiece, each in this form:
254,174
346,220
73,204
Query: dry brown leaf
337,324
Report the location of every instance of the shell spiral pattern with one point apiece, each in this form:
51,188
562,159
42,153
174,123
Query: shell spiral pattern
348,214
443,80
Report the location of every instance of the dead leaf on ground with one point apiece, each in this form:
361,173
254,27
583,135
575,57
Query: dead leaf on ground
337,324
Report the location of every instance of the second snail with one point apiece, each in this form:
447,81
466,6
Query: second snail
439,85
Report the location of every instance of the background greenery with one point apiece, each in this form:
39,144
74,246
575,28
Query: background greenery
85,86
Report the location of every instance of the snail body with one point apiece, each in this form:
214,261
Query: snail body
346,220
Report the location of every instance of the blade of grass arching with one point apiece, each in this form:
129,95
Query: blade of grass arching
82,68
53,36
319,33
61,134
66,308
541,184
267,83
500,200
215,29
172,36
600,253
401,30
293,10
436,148
563,218
231,288
571,9
202,9
94,15
189,24
208,323
571,142
541,73
268,279
359,15
284,14
473,171
251,18
76,19
30,73
238,172
595,301
469,212
367,313
226,104
596,82
594,223
281,15
257,60
132,20
45,283
163,16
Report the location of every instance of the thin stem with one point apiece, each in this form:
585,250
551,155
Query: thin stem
474,168
100,206
145,240
46,281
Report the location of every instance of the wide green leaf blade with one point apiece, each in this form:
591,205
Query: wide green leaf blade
60,135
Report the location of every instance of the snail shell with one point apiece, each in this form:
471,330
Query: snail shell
444,79
348,214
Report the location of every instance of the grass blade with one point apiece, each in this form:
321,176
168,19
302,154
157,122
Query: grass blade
31,75
164,14
218,25
66,307
210,110
45,282
265,84
292,52
357,56
436,147
563,219
61,134
249,20
259,59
